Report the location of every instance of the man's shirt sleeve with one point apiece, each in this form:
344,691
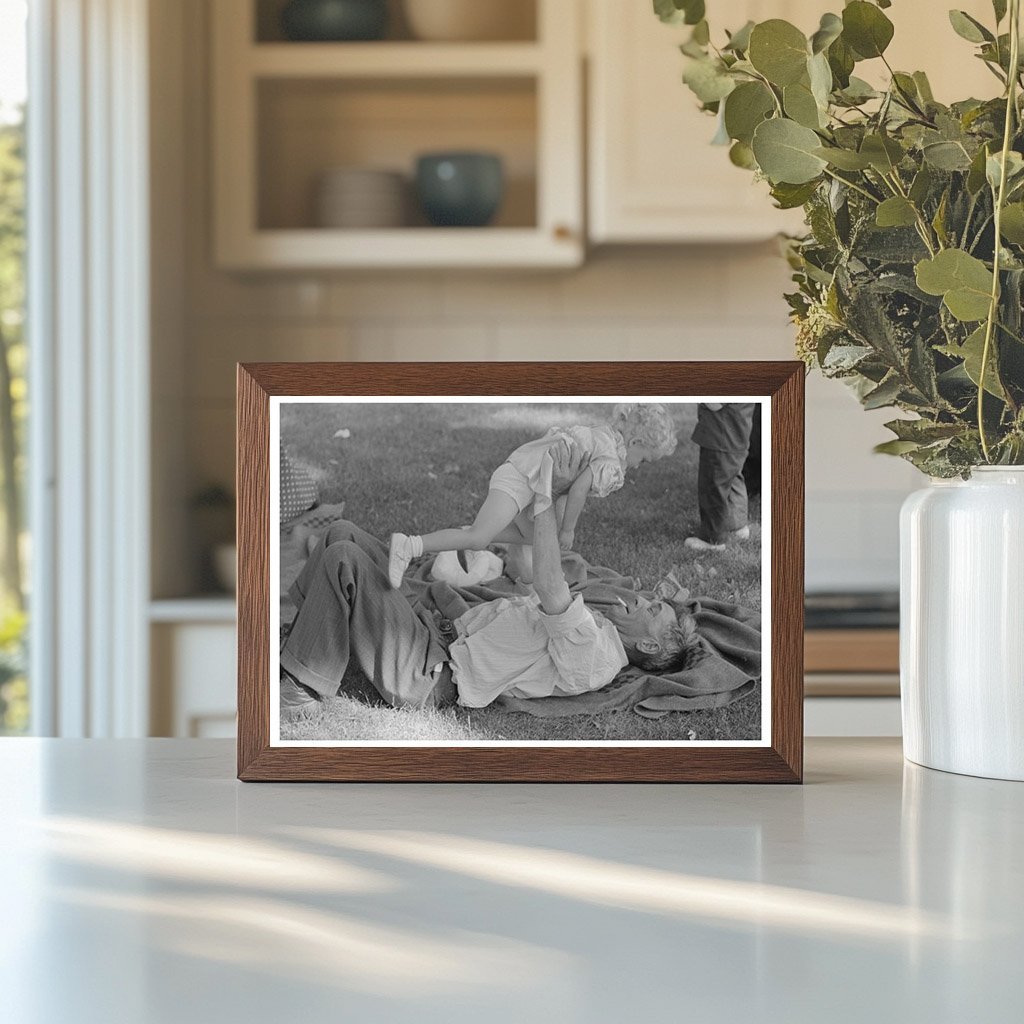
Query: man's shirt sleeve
586,651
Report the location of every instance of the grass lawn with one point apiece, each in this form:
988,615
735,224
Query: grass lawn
420,467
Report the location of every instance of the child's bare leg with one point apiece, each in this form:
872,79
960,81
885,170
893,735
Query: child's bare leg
519,531
497,511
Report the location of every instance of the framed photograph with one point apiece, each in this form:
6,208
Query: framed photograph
520,572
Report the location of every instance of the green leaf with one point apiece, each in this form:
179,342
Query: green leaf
830,29
668,12
844,159
857,91
976,174
947,156
971,352
921,185
708,80
841,60
695,11
745,108
820,76
701,33
939,220
721,137
885,394
896,212
923,431
969,28
895,447
963,281
785,152
866,29
778,50
883,153
739,41
789,197
999,6
1012,225
676,12
924,87
994,168
742,155
800,105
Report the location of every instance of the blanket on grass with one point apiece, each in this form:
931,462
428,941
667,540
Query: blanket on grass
725,668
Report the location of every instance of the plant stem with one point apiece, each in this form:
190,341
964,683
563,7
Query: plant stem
1000,198
768,85
922,225
855,187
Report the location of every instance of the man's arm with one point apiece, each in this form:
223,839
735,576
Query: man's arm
574,502
548,578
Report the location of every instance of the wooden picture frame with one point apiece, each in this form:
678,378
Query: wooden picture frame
780,387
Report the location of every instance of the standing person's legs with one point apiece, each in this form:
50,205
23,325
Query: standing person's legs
752,464
721,494
347,609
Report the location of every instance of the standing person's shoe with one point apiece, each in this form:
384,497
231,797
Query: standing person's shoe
298,702
402,551
698,544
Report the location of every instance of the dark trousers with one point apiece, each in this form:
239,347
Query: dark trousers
348,610
721,494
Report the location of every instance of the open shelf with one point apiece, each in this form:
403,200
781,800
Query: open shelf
393,60
287,113
404,248
308,127
520,17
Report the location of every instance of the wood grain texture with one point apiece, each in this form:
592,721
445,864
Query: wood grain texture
781,762
252,485
852,650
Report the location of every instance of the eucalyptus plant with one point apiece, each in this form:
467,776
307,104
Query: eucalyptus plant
910,278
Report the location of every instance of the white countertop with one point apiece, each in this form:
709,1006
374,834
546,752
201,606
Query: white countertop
142,884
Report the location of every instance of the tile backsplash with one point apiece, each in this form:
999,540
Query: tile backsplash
700,302
721,302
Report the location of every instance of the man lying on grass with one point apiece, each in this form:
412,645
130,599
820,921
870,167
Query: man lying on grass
546,644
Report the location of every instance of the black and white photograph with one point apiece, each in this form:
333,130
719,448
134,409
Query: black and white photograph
459,571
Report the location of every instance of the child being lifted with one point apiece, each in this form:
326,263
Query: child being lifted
520,488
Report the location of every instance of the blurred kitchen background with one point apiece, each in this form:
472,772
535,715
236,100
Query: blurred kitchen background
288,216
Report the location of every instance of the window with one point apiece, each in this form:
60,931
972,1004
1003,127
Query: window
14,691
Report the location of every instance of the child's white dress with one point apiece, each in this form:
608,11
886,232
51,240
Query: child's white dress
526,476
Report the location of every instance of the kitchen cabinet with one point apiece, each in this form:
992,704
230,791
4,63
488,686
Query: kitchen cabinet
653,175
287,113
192,648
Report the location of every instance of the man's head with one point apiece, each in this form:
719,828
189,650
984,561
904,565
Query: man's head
652,634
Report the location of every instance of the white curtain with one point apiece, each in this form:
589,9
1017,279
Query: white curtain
88,317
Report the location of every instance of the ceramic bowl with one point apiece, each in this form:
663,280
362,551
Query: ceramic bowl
460,189
334,20
357,197
470,20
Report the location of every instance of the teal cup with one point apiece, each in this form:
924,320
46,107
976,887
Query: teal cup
334,21
460,189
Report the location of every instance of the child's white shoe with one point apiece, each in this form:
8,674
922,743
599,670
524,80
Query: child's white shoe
400,555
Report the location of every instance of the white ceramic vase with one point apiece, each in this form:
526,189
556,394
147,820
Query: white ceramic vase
962,624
